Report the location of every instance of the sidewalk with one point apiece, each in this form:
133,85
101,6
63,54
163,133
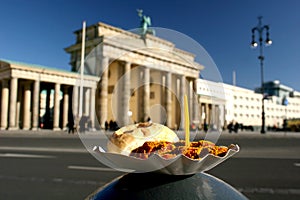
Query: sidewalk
35,133
62,133
268,134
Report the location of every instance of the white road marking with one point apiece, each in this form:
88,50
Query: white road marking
273,191
88,168
297,164
43,149
20,155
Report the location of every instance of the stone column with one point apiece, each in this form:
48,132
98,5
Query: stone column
163,112
18,107
201,114
213,115
92,109
75,106
104,92
182,93
191,101
27,102
216,116
126,95
4,104
56,107
169,98
222,116
13,103
86,102
207,114
65,107
146,98
36,101
75,101
47,108
196,106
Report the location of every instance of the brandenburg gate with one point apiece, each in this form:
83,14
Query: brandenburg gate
128,77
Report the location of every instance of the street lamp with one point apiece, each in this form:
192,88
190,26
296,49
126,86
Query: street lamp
260,29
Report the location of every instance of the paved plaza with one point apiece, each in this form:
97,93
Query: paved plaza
224,134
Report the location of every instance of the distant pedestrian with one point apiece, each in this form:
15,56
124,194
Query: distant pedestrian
205,127
230,127
70,126
236,127
106,125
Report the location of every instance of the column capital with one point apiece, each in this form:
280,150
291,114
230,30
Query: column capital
124,62
66,87
104,64
4,82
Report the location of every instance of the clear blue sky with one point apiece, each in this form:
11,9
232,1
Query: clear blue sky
37,31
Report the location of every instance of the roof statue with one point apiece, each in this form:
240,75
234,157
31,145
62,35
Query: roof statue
145,23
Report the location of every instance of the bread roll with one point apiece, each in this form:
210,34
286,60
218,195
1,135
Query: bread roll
127,138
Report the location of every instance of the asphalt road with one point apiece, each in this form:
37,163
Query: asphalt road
47,165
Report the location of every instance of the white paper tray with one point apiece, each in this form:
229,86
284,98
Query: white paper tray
179,165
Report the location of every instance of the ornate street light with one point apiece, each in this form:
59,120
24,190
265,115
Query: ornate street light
260,29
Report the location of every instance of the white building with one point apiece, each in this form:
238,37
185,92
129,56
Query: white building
243,105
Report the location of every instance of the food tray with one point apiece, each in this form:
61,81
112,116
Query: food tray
179,165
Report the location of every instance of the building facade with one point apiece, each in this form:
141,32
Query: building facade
127,78
34,97
141,76
244,106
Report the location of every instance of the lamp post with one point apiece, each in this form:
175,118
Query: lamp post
260,29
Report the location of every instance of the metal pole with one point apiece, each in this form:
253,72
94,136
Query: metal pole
261,58
259,28
285,121
81,70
